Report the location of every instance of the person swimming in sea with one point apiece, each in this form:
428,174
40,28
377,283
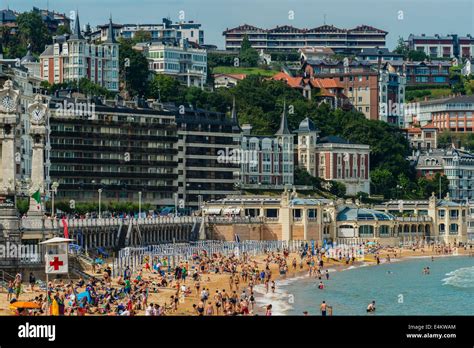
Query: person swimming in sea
371,307
321,286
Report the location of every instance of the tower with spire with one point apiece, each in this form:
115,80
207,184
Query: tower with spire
73,58
111,51
234,118
285,140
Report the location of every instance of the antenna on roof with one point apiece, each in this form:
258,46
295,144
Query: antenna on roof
324,19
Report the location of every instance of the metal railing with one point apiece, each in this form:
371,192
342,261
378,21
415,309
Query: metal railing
173,253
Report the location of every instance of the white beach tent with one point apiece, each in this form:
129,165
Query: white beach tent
57,240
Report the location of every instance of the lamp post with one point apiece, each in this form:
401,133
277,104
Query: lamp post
176,203
199,197
54,190
100,193
139,204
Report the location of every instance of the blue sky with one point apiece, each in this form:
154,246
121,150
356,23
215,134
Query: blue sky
419,16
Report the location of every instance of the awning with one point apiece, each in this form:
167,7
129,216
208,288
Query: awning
212,211
232,211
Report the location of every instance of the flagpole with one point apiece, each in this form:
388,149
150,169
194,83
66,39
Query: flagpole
47,298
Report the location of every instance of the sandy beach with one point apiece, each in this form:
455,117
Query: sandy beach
213,282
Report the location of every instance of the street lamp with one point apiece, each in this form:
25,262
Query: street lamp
199,197
54,190
176,204
398,189
100,193
139,204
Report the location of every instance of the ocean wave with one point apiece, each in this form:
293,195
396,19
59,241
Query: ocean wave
280,299
461,278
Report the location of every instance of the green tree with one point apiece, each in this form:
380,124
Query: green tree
382,182
63,29
302,177
427,186
402,47
417,56
363,197
32,30
166,89
248,55
337,188
142,36
137,74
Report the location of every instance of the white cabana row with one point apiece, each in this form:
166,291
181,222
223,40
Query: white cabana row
231,211
212,211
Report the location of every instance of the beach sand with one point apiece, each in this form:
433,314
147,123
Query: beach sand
215,282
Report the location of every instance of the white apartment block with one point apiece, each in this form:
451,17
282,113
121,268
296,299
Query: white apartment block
189,65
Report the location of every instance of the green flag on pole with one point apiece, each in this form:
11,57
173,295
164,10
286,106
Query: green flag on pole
37,197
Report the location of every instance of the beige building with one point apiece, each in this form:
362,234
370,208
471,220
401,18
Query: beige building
288,217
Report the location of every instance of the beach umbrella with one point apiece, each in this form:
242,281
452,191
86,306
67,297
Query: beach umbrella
24,305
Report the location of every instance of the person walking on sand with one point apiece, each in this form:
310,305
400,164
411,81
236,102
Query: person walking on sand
10,290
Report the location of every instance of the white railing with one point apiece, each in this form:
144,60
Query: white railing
58,223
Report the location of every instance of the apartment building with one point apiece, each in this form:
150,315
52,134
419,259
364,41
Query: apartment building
167,31
443,46
188,65
71,58
267,162
287,37
120,148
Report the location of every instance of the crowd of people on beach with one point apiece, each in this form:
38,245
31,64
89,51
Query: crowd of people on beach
188,280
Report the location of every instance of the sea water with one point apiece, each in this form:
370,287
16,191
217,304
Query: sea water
398,288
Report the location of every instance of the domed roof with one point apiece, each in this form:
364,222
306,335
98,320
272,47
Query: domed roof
29,58
363,214
306,126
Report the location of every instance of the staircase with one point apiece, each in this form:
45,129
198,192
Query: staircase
197,230
5,278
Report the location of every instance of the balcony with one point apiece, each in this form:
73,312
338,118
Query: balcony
422,218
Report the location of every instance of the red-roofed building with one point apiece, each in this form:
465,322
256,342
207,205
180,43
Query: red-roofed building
227,80
424,138
327,90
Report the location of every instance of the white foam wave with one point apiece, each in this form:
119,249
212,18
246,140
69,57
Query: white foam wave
280,300
461,278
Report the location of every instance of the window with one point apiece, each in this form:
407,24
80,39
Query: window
384,230
442,229
453,229
453,214
441,213
366,230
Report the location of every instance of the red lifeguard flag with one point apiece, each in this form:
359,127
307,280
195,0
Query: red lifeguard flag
65,230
